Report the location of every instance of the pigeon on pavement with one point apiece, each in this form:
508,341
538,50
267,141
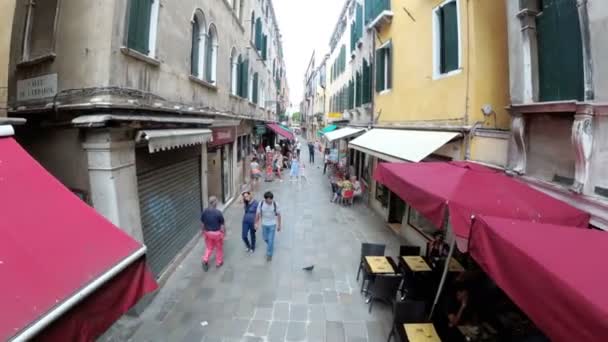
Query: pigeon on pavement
309,268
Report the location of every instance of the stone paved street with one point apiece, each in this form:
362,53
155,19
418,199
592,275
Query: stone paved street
250,299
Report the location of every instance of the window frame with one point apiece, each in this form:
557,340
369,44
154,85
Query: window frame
26,56
437,74
152,31
211,46
234,72
200,19
387,67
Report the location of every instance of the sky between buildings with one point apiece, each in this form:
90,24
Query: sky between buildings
306,26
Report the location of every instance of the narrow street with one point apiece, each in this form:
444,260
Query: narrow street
249,299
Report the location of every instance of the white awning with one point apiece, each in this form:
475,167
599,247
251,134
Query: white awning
401,145
342,133
167,139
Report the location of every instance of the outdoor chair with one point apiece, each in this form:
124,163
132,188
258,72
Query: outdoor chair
368,249
405,250
384,288
408,311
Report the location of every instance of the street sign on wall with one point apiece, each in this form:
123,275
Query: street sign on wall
37,88
334,115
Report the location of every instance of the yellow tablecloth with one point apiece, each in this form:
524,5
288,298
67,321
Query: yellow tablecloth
416,264
379,264
424,332
455,266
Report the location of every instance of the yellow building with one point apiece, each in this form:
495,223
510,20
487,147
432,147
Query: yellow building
441,88
7,11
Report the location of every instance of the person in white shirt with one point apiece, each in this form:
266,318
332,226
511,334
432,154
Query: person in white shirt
269,217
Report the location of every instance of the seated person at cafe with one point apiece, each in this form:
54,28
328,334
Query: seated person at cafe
344,185
437,248
358,191
457,312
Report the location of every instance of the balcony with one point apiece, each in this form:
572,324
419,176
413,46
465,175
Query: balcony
378,13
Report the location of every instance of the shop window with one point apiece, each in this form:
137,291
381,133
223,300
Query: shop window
418,221
382,194
446,38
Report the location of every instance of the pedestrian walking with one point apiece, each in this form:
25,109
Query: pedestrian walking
268,216
214,231
294,173
298,148
311,152
325,160
249,218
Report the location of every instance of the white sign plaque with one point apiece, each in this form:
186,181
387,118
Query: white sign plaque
37,88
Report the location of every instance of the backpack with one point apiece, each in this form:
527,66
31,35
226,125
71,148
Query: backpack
274,204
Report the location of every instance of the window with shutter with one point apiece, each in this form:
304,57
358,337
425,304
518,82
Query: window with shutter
366,83
140,12
195,52
245,79
254,95
389,66
447,17
380,65
264,46
358,89
258,34
560,52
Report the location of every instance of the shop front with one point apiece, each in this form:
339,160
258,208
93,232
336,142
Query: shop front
220,174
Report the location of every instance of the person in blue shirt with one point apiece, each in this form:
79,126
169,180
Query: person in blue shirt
251,206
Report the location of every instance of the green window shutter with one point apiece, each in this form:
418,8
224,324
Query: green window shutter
368,11
449,37
380,69
358,88
258,34
254,93
389,66
264,47
208,59
366,85
245,79
560,52
359,22
195,53
139,25
351,95
353,37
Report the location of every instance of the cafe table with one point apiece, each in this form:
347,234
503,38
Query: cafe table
380,264
416,263
455,266
421,332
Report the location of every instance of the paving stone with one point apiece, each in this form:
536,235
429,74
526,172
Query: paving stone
296,331
258,328
335,331
263,314
298,312
315,298
281,311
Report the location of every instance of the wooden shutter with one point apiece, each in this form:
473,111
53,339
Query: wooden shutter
195,53
264,47
258,34
560,52
368,11
358,90
448,16
139,25
245,79
359,22
208,57
367,82
380,62
389,66
254,93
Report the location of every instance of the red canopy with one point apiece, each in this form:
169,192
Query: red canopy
53,245
281,131
467,189
555,274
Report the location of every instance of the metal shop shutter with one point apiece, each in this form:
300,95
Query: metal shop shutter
170,201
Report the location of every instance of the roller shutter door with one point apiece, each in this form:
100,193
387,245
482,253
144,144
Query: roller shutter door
170,201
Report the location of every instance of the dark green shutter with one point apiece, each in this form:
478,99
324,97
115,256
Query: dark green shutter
353,37
195,53
389,66
368,11
254,92
448,18
245,79
208,58
359,22
139,25
367,83
560,52
358,90
264,47
351,94
258,34
380,69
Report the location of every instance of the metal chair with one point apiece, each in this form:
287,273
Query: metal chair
384,289
408,311
369,249
405,250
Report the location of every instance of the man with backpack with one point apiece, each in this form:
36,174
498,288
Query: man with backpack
269,217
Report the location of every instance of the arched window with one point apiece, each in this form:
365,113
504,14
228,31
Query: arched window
252,26
234,72
199,39
211,55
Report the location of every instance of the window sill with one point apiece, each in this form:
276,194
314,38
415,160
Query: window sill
203,83
447,74
37,60
140,56
252,104
385,92
236,97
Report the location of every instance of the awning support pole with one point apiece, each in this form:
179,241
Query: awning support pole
31,331
443,277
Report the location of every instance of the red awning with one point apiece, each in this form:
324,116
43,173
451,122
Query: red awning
555,274
465,189
281,131
53,248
